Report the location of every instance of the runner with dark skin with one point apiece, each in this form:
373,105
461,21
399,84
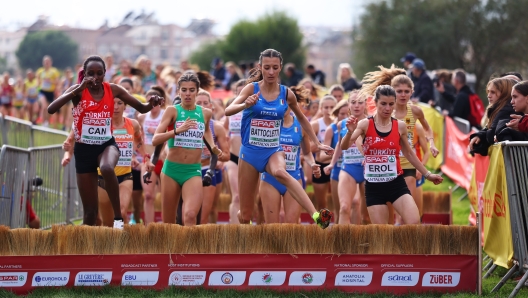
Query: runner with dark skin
94,72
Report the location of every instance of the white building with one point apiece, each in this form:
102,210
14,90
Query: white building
9,42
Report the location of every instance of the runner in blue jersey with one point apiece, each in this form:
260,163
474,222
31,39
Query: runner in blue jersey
292,140
265,102
331,138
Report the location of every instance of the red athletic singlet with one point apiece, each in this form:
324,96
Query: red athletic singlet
382,161
92,120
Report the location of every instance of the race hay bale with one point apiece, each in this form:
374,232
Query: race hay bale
237,239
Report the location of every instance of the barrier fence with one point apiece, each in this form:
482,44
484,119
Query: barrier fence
24,134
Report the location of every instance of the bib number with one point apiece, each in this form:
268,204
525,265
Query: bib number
235,122
352,156
5,99
96,131
291,152
192,138
46,84
380,168
264,133
125,154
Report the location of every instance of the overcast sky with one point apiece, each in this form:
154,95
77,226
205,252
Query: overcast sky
91,14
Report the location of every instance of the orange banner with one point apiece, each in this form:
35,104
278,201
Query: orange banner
476,189
458,163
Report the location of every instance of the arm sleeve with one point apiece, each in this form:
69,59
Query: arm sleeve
523,124
501,115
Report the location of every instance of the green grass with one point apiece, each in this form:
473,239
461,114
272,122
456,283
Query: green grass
460,209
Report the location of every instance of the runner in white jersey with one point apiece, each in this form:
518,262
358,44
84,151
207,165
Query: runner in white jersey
150,122
232,125
321,184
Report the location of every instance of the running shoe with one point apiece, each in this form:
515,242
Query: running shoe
323,218
118,224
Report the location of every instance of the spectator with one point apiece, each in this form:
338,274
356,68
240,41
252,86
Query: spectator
309,84
294,76
111,68
337,92
184,65
499,96
520,104
233,75
423,86
318,77
461,107
347,78
512,75
444,77
218,72
407,59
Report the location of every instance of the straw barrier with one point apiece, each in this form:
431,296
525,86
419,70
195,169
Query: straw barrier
368,258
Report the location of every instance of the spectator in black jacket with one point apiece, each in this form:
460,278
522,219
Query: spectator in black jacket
318,77
500,108
347,78
461,107
294,76
444,77
423,85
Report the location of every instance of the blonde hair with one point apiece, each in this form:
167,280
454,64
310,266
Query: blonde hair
341,67
205,93
402,80
339,106
326,98
373,79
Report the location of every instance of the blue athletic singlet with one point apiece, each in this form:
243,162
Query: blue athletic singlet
290,141
352,158
334,175
260,130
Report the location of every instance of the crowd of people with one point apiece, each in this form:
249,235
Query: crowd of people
138,133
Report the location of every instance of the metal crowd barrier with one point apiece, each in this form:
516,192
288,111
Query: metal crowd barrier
24,134
14,163
516,164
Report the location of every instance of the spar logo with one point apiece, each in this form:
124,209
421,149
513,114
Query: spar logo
379,159
441,279
13,279
400,279
392,158
265,123
267,278
50,279
227,278
307,278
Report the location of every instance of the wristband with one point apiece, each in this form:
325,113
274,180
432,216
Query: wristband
427,174
146,156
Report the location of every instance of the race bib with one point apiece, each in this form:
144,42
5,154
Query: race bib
291,153
264,133
32,92
5,100
340,161
380,168
46,84
96,131
235,122
19,95
125,143
192,138
352,156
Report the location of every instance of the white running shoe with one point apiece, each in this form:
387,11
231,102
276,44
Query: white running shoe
118,224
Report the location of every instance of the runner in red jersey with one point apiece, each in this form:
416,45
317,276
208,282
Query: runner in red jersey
93,101
384,137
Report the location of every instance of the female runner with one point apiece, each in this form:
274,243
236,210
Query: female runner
420,147
292,140
384,137
150,121
340,112
203,99
183,127
319,126
264,103
233,125
94,144
128,136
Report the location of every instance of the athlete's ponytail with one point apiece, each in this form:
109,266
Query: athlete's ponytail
377,78
301,93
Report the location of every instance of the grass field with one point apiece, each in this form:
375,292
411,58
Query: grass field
460,217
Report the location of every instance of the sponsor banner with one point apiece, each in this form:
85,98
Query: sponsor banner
281,272
267,278
94,278
458,163
441,279
436,122
498,243
307,278
13,279
353,278
227,278
187,278
140,278
50,279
